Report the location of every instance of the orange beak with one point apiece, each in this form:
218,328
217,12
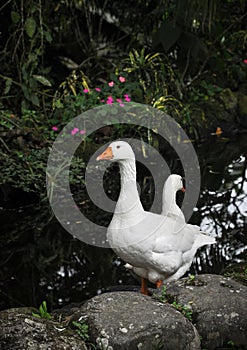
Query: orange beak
106,155
183,189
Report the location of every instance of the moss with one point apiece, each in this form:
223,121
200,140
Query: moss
238,272
228,100
242,105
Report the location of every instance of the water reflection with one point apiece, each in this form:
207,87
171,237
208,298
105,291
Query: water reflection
41,261
222,207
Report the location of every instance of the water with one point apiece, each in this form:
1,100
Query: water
41,261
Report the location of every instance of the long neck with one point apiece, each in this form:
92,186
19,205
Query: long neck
127,172
170,206
169,199
128,202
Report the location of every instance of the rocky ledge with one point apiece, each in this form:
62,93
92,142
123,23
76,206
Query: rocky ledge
203,312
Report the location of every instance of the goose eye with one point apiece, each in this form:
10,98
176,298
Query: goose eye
118,146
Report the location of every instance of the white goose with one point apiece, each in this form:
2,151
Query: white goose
157,247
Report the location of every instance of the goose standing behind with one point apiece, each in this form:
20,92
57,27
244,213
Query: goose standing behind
157,247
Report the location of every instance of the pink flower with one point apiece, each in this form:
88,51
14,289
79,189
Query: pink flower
127,98
119,100
245,61
121,79
82,132
101,100
110,100
54,128
111,83
86,91
98,89
121,104
74,131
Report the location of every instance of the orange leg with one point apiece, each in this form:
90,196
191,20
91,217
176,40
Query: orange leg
159,283
144,286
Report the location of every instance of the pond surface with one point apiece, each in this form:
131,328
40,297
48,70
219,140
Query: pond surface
41,261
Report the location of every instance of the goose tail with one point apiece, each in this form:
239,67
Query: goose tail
204,239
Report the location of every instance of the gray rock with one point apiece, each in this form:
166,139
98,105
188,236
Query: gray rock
19,330
129,321
219,307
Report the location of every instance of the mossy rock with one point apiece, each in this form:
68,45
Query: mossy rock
228,101
238,272
242,109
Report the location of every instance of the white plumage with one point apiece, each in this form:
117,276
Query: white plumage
158,247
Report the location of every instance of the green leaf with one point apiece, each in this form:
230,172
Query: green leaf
30,26
48,36
24,73
35,99
58,104
41,79
26,92
15,16
44,306
41,311
8,84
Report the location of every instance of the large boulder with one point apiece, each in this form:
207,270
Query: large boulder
128,320
218,306
20,330
215,305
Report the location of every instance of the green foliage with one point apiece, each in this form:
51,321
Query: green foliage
81,329
204,91
238,273
154,74
43,313
51,53
72,99
25,171
26,79
167,298
190,38
163,297
230,345
184,309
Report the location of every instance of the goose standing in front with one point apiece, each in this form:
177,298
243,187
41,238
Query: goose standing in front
158,248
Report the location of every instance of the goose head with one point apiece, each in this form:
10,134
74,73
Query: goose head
117,151
175,182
